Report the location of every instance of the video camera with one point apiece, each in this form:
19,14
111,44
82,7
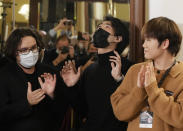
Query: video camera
64,50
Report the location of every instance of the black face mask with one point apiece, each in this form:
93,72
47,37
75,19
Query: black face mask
100,38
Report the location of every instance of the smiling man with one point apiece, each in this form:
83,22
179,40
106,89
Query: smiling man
150,97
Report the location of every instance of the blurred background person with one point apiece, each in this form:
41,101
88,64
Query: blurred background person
64,27
57,56
81,46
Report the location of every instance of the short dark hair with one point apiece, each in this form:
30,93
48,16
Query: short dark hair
15,39
62,37
162,28
121,29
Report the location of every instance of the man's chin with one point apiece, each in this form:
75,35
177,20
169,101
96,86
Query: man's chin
147,57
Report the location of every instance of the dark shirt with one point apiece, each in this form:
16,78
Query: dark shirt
15,112
91,96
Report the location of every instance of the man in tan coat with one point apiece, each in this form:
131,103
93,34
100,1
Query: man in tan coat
150,97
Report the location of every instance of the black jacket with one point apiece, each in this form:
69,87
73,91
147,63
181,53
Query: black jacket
15,112
91,95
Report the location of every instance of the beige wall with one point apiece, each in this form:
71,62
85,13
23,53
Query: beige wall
18,17
167,8
122,11
100,9
80,16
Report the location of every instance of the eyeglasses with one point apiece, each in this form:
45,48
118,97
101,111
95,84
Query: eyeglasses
25,51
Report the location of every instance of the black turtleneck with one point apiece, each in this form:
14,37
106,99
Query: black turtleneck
15,112
93,99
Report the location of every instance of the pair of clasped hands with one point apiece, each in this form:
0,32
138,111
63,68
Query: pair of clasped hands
146,75
47,87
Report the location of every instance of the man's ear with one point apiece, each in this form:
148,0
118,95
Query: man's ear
165,44
114,39
118,39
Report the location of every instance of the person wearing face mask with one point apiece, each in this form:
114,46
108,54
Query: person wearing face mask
31,94
90,92
62,52
81,46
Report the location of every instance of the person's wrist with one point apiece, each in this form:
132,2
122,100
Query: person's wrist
119,78
51,95
56,62
60,58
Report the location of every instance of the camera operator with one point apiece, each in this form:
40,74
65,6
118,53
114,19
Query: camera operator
65,25
58,55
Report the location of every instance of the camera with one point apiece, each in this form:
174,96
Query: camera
68,22
64,50
80,36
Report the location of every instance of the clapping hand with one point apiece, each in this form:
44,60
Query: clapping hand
69,73
149,75
49,83
116,66
146,75
34,97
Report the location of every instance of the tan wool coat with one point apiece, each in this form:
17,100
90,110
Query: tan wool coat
129,100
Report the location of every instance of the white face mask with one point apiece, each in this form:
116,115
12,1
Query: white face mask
58,51
81,46
29,60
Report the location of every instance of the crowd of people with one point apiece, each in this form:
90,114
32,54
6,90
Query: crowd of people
86,84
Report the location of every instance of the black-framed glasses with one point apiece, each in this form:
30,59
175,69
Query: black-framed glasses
25,51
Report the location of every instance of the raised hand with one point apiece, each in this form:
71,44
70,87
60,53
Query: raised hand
116,66
34,97
61,24
48,86
69,73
